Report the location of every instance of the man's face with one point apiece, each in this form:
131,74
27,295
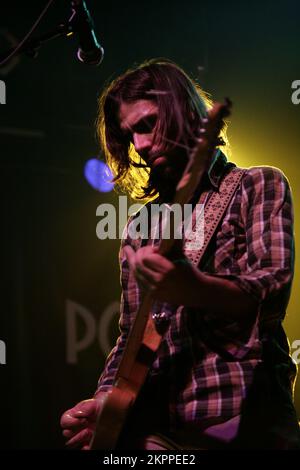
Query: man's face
137,121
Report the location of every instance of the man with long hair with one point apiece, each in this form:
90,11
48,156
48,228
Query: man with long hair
223,376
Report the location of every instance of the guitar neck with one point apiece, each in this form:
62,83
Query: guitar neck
185,189
134,339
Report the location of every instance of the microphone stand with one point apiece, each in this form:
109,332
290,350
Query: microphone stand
32,46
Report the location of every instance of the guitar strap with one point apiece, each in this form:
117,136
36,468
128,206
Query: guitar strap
214,210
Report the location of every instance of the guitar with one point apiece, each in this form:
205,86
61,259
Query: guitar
145,336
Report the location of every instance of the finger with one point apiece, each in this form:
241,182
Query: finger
86,409
80,439
148,255
68,420
67,433
158,263
71,431
147,276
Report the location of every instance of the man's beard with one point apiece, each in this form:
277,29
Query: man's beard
166,172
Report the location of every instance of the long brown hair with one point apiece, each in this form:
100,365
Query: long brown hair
182,104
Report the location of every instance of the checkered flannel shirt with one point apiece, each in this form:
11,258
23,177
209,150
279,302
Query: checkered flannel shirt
209,360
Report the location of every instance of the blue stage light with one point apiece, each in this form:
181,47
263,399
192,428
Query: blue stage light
98,175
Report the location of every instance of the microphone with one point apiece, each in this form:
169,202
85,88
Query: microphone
89,50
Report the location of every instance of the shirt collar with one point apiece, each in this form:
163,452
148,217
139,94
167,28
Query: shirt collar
214,174
217,168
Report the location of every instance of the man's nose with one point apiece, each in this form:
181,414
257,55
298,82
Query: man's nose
142,143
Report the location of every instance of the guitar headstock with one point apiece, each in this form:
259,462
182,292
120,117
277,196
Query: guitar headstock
211,128
204,145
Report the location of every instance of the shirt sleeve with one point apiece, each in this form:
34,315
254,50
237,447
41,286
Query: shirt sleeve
112,362
267,214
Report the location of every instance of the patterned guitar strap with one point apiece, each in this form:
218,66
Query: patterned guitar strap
214,209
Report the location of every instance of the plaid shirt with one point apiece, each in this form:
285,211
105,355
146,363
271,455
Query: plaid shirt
207,361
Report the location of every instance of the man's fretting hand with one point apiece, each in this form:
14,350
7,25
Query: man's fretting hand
169,281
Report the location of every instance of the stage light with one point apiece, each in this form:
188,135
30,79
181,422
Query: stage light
98,175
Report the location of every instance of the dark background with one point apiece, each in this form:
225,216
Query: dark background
52,261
